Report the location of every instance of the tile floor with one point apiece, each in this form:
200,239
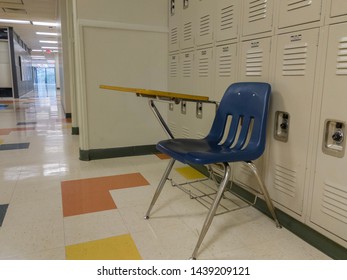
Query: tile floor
53,206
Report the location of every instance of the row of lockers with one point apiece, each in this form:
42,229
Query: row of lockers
304,165
202,22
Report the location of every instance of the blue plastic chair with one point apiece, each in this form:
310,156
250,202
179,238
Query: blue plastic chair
241,139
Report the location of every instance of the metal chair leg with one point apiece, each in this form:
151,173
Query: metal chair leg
268,201
213,209
160,187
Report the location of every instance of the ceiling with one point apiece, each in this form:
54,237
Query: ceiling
32,10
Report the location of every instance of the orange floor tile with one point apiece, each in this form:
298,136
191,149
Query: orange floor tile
92,195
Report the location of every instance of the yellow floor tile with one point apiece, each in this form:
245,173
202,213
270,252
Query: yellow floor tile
190,173
115,248
1,141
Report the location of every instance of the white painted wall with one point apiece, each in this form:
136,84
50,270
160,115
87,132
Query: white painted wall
122,42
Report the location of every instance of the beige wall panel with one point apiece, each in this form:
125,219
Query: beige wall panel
148,12
130,59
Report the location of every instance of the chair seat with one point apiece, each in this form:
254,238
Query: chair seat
201,151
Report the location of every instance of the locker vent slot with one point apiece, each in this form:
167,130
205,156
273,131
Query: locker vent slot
227,17
224,65
188,31
334,202
173,128
254,63
285,180
257,10
173,68
185,132
298,4
294,60
174,36
187,70
203,67
341,66
205,25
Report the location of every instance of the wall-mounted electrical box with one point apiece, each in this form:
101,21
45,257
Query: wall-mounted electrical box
281,126
334,138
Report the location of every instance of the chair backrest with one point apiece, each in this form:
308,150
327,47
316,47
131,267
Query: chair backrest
241,118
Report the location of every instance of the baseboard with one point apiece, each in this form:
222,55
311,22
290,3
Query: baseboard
95,154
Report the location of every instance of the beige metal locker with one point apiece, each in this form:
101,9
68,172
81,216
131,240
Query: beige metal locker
227,19
254,67
296,12
204,72
338,8
329,202
174,25
187,72
188,23
290,113
255,60
205,20
257,17
226,65
174,67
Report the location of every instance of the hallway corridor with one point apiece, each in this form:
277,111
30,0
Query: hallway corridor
54,206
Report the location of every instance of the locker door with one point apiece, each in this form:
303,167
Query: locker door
257,16
225,69
255,60
204,72
205,13
292,93
329,202
296,12
338,8
227,19
174,23
255,67
188,24
186,72
173,81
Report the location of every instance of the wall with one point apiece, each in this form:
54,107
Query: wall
5,70
22,77
120,43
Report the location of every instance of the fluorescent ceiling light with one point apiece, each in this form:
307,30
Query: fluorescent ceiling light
36,50
45,23
51,61
49,42
50,48
47,33
37,56
14,21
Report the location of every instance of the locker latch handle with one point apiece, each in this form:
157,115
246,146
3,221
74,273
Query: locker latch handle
338,136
